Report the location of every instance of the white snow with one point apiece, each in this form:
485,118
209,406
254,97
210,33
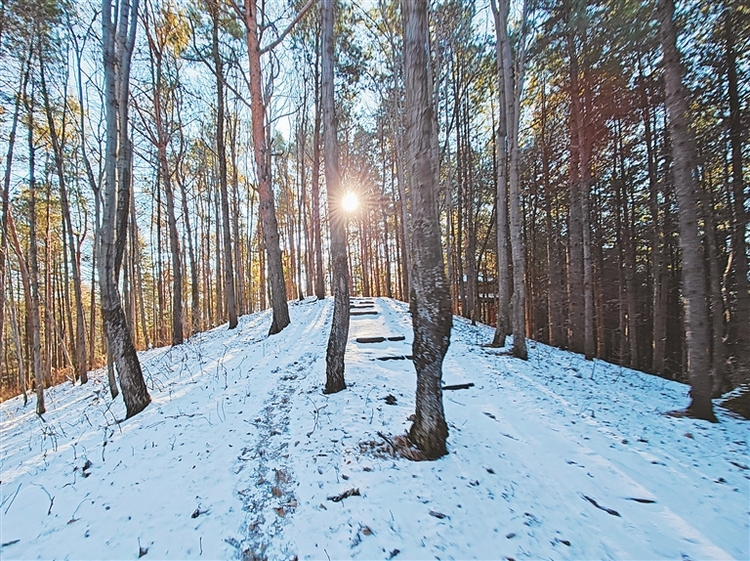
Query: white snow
240,450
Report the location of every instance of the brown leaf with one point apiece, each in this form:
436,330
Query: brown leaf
280,511
276,492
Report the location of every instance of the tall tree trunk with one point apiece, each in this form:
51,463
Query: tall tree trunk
512,82
741,319
403,209
239,278
576,309
16,332
33,270
218,310
28,297
317,226
504,283
718,350
658,259
260,150
195,308
6,208
430,302
118,49
693,272
585,145
336,215
555,332
80,331
160,139
229,292
138,274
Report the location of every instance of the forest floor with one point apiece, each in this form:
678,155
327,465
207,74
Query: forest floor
241,455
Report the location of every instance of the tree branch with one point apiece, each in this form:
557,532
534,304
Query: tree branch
284,33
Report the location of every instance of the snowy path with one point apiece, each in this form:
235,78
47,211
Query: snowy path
240,454
524,455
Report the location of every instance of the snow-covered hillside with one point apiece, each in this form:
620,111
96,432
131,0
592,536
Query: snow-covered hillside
241,455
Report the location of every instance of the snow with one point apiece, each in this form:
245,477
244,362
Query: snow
240,452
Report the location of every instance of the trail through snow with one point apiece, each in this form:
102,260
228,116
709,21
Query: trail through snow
241,455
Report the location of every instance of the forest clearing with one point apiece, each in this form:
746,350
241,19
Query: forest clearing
240,455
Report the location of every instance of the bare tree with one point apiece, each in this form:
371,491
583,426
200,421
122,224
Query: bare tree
262,163
229,293
159,136
32,284
118,38
430,302
320,291
336,217
5,216
80,330
511,82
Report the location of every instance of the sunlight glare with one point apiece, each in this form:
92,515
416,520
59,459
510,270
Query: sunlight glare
349,202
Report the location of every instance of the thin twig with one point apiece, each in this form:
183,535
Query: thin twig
14,498
51,498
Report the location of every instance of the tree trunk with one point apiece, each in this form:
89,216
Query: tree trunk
80,331
512,83
195,308
16,332
503,324
430,303
403,211
336,215
740,321
585,145
265,191
33,270
5,207
658,259
229,292
317,226
718,350
117,54
693,272
239,277
576,309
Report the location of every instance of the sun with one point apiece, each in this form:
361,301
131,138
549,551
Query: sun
349,202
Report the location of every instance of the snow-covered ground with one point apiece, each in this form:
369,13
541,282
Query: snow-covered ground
240,455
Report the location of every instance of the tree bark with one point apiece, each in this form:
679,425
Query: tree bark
80,331
512,82
503,324
229,292
576,310
6,208
430,302
693,271
32,303
317,226
741,318
336,215
161,140
658,259
118,49
265,191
